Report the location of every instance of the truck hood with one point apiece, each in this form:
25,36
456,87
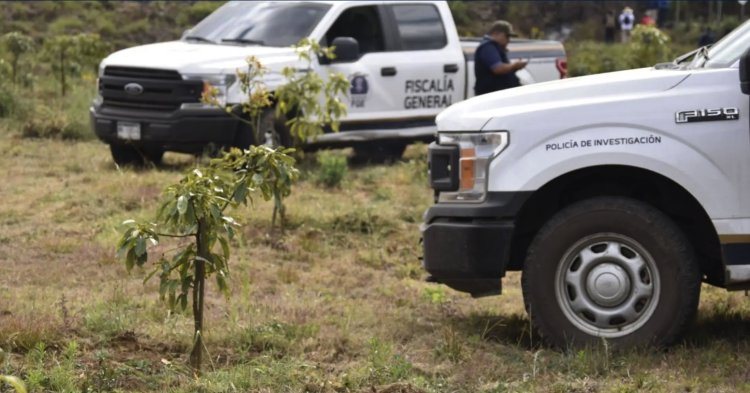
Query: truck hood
196,58
473,114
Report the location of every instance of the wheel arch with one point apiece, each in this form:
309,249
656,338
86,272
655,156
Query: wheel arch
625,181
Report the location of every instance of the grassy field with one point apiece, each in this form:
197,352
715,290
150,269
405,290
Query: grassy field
336,303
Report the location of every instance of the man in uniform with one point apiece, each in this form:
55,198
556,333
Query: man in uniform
492,68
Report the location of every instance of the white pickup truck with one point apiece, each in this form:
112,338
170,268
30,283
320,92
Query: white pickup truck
404,60
615,194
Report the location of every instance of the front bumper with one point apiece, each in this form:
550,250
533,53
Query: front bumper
184,130
468,246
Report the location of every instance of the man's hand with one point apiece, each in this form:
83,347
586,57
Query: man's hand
505,68
520,64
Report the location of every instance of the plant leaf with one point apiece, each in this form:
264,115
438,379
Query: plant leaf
182,203
15,382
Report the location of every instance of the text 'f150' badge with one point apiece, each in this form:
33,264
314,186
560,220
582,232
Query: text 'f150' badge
707,115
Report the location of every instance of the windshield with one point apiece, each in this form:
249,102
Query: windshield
728,50
259,23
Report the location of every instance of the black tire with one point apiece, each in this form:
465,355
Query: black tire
272,131
378,152
245,136
610,268
126,155
131,155
153,155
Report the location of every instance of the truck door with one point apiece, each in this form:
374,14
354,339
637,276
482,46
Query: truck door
428,60
371,96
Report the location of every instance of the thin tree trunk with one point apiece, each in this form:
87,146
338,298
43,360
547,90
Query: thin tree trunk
62,71
196,355
718,12
15,68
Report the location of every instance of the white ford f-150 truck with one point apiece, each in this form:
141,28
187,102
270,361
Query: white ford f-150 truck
404,60
615,194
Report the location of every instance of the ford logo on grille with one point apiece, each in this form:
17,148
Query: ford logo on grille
133,89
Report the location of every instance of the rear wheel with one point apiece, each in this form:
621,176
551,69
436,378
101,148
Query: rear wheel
379,152
618,269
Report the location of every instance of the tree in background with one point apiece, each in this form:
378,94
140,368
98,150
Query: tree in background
67,54
17,44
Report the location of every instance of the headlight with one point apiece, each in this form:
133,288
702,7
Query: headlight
475,151
220,82
98,93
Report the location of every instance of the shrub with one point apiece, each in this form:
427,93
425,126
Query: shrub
48,123
588,57
648,46
333,169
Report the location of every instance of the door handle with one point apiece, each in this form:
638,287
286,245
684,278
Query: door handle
451,68
388,71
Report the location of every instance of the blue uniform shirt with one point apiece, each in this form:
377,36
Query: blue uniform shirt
489,55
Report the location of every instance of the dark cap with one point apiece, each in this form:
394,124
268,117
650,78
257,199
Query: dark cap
502,26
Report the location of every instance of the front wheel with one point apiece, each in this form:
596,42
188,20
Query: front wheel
269,130
617,269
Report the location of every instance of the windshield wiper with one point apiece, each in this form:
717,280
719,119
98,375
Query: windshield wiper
685,56
703,52
243,41
198,38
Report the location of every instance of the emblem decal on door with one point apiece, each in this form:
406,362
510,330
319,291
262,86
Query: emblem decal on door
358,91
707,115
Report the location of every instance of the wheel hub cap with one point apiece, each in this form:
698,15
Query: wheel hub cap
608,284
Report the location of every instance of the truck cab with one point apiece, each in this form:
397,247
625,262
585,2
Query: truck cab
615,194
404,60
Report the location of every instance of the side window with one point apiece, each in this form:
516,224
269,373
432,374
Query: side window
419,26
362,24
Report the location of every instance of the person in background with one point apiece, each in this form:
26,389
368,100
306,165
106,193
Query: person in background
662,9
492,68
627,20
647,20
707,38
610,25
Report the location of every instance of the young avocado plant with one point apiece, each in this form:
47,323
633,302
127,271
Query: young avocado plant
196,207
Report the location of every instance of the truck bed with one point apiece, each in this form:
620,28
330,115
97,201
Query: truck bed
542,55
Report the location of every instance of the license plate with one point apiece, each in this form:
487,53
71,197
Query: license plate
128,131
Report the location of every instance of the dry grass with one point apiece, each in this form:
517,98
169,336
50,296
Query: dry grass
334,304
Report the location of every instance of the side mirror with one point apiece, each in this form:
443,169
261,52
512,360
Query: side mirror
186,33
346,49
745,72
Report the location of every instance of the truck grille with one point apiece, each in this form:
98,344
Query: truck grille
156,90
